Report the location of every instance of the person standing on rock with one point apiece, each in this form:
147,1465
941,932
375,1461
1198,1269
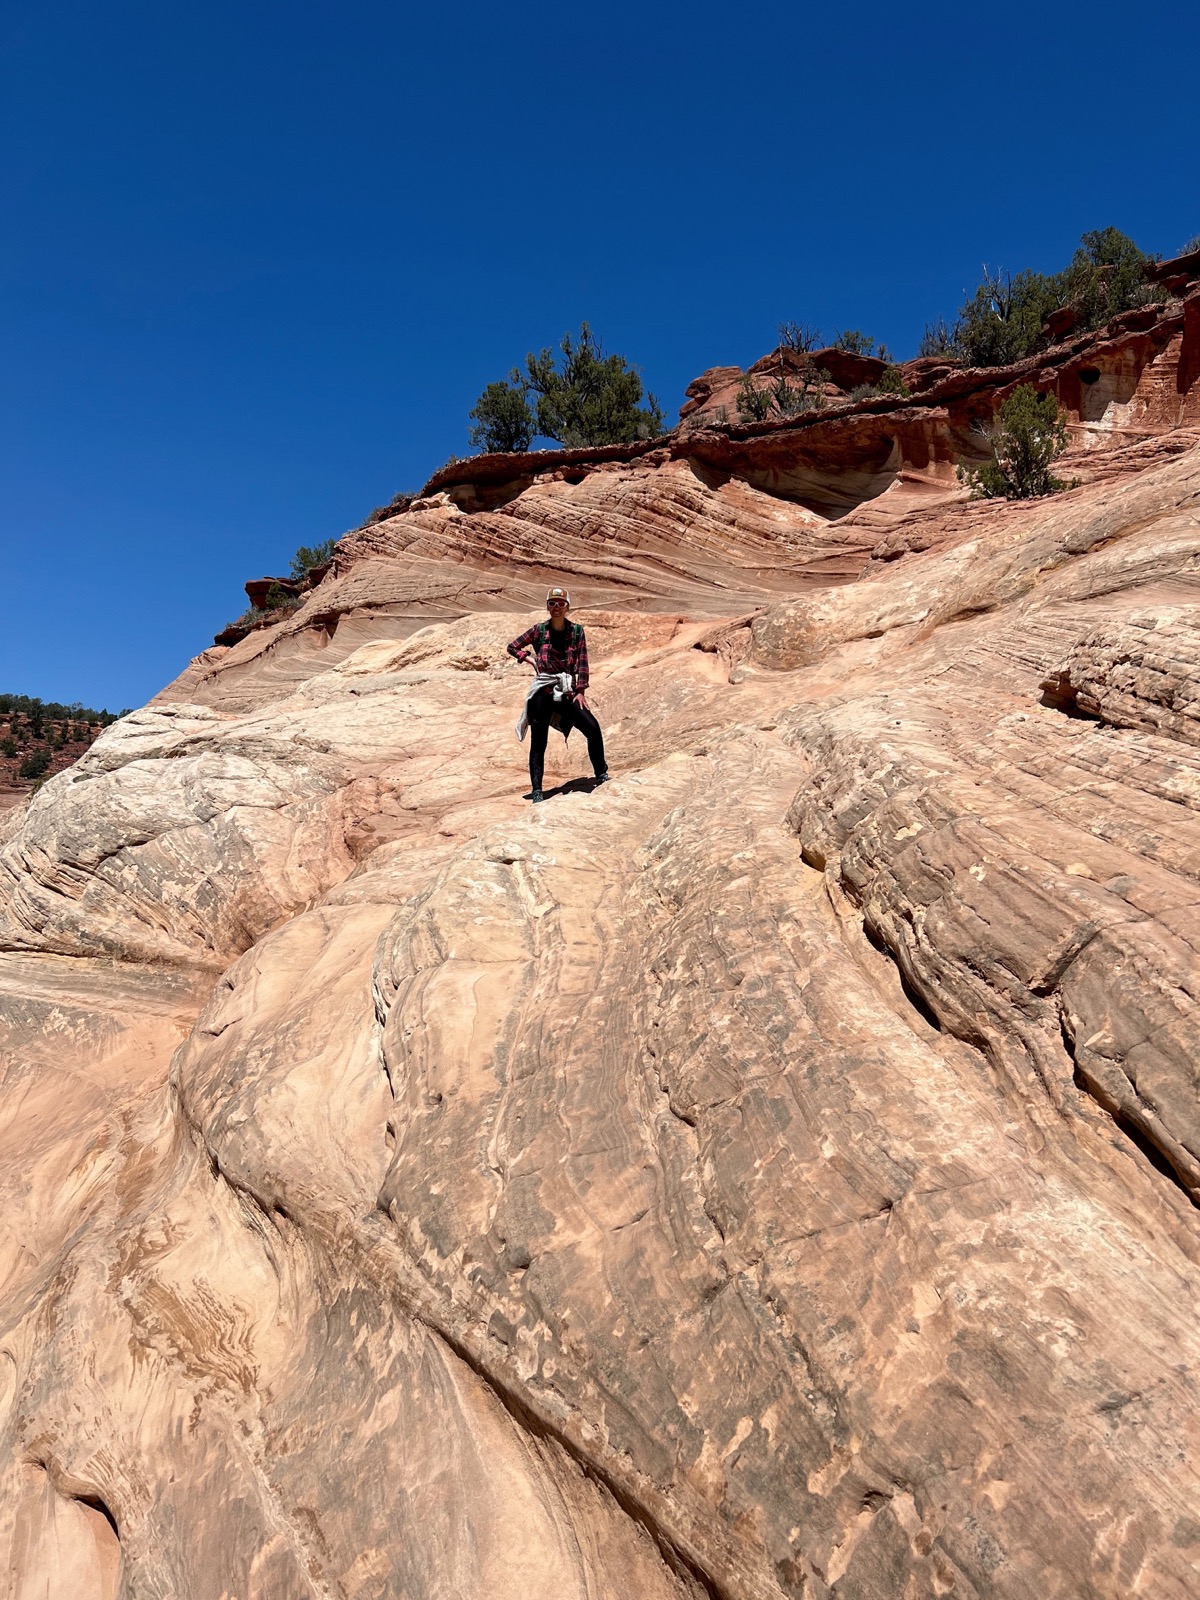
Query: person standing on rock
558,695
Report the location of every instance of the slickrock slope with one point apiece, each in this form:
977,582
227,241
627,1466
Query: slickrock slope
772,1175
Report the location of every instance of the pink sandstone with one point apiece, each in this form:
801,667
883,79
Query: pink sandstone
772,1175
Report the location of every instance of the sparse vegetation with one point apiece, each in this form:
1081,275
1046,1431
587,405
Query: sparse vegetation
803,337
37,711
250,619
36,736
857,343
783,396
310,556
1004,320
279,599
1192,245
753,403
888,385
1028,436
580,397
938,339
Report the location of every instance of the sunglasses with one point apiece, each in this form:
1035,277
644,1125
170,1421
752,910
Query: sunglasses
556,602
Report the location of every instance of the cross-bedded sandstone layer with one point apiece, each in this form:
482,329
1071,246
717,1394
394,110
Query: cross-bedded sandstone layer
771,1175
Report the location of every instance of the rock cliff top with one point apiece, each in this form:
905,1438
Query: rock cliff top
772,1175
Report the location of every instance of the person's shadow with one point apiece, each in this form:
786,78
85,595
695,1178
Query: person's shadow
572,786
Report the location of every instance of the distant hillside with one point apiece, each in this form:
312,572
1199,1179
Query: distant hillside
40,737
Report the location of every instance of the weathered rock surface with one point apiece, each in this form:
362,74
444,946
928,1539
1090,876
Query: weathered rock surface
772,1175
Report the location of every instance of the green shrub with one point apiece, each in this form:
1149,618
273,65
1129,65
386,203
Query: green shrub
1192,245
580,398
854,342
1003,320
278,597
789,398
35,763
1107,275
784,397
889,384
310,556
753,404
8,747
504,422
590,398
1029,435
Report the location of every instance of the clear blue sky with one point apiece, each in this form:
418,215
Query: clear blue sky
260,258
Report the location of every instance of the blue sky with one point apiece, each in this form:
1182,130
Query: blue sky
260,258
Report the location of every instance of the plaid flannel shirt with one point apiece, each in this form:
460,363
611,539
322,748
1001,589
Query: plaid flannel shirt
538,638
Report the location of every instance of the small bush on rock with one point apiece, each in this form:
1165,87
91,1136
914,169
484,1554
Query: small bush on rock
249,619
504,423
857,343
784,397
1029,435
310,556
753,404
581,398
790,399
590,398
889,384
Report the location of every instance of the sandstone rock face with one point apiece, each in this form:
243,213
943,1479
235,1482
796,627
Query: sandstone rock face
1135,378
774,1174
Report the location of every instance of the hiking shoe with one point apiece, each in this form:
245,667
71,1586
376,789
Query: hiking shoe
602,777
536,795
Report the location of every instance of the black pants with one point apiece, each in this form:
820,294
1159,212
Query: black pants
571,715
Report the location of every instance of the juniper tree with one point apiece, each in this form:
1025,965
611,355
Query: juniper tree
589,398
311,555
1024,442
504,423
1004,320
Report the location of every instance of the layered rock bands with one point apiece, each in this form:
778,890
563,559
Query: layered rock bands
774,1174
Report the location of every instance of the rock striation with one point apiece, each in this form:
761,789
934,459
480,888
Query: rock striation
772,1175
